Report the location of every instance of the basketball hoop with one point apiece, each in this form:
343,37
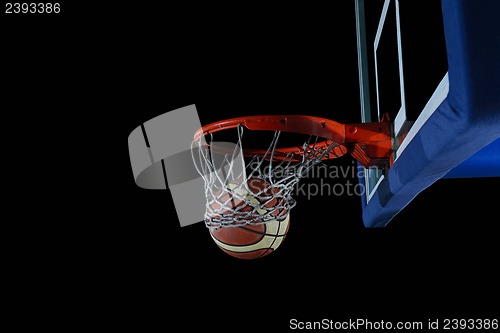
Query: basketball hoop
233,199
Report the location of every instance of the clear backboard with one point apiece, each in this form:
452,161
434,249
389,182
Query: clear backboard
410,54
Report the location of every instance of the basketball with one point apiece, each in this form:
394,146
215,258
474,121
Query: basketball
249,241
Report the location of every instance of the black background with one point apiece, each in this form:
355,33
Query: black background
108,250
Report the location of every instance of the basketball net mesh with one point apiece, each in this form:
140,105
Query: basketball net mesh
232,200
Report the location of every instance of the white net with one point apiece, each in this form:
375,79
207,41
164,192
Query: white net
251,190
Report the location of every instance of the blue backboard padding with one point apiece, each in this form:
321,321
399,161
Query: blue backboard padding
484,163
468,119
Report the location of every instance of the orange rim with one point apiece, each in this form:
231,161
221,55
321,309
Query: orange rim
321,127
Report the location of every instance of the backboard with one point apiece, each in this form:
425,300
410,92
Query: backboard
431,68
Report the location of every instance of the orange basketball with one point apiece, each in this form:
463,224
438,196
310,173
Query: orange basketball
250,241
